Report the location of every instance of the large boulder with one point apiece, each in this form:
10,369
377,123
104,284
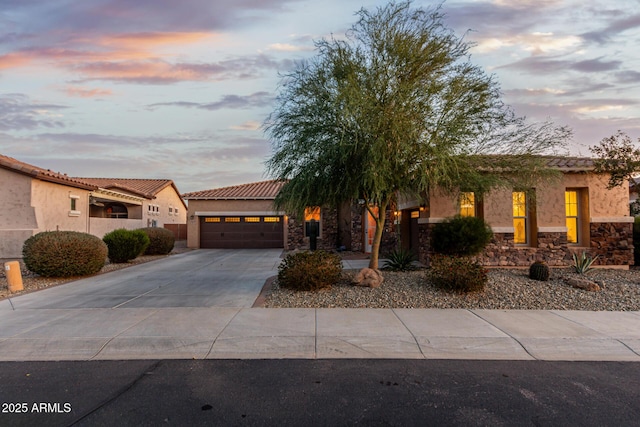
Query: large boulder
368,277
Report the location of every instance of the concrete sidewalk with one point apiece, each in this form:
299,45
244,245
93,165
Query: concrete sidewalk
259,333
198,306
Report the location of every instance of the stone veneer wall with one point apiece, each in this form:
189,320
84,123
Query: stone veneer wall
613,242
357,230
329,232
329,239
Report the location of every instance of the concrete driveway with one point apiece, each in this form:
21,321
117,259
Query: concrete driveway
201,278
197,305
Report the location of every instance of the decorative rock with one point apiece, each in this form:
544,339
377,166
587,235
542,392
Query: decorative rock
583,284
368,277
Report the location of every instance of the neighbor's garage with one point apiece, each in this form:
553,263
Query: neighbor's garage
241,232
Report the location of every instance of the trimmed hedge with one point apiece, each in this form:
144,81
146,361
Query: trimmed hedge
161,240
125,245
309,271
461,235
64,254
457,274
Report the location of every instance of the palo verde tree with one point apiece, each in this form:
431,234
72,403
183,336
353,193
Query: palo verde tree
396,107
620,158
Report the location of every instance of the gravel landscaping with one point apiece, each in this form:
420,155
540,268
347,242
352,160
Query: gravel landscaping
507,289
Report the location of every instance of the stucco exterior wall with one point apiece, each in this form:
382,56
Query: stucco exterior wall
53,207
17,211
442,205
31,206
17,216
498,208
166,199
101,226
605,224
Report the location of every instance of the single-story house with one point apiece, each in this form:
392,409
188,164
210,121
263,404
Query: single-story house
243,216
37,199
573,214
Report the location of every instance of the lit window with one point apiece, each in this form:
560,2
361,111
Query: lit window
312,220
312,213
571,207
232,219
271,219
520,225
212,219
467,204
251,219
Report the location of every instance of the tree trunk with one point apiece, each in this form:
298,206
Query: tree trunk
377,238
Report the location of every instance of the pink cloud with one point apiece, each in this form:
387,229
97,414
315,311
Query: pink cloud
14,60
135,41
144,57
80,92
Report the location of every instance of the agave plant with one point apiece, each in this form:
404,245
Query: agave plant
584,263
400,260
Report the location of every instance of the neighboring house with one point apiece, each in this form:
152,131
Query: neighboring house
573,214
36,199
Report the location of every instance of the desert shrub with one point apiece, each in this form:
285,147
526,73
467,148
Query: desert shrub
400,260
457,274
583,264
636,240
460,235
161,240
64,254
309,271
539,270
125,245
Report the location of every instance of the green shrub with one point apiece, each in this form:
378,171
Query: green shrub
309,271
161,240
64,254
400,260
460,235
457,274
539,270
636,240
125,245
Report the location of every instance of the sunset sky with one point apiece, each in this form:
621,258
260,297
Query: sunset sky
179,89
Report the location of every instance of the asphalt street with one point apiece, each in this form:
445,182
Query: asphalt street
319,392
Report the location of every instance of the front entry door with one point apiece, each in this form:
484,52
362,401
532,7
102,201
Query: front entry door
369,230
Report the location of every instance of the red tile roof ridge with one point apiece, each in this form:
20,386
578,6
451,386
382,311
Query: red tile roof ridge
43,174
259,190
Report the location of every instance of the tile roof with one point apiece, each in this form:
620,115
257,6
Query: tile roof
571,164
263,190
147,188
562,163
44,174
